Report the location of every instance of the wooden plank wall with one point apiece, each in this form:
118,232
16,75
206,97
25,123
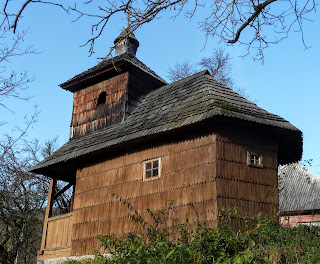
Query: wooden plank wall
253,190
59,232
87,117
188,176
57,237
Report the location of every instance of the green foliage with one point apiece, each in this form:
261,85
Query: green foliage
258,241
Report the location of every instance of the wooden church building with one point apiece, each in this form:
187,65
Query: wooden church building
135,137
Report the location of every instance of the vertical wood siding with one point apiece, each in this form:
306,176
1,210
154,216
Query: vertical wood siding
88,117
199,175
253,190
59,232
124,92
138,86
188,176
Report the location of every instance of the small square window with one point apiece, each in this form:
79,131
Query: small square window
254,159
151,169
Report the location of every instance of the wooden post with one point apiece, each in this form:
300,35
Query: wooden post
48,213
72,197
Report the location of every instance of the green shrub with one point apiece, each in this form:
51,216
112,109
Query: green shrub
259,241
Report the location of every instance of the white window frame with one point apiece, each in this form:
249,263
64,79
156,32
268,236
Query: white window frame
151,169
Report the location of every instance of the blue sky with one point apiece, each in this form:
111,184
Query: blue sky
287,84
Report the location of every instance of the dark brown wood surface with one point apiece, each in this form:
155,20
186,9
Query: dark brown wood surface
200,175
123,93
87,116
188,177
252,189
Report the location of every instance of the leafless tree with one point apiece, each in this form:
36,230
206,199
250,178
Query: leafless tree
22,199
264,21
180,71
22,194
12,83
219,67
218,64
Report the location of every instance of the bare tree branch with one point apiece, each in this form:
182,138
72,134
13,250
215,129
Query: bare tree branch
18,15
26,3
266,22
22,194
258,9
12,83
180,71
22,200
219,66
6,146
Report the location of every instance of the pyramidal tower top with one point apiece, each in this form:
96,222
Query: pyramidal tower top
126,42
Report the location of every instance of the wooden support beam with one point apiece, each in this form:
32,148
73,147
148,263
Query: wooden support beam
72,198
62,190
48,212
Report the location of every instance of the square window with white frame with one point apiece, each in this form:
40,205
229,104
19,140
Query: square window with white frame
151,169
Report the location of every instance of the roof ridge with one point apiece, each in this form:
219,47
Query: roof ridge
201,73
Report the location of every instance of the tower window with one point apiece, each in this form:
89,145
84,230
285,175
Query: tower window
102,98
254,159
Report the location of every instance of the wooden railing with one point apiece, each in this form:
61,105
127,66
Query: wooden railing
58,232
56,236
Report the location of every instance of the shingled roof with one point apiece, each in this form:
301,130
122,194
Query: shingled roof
114,64
188,101
299,189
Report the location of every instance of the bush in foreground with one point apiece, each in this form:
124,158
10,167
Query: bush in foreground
261,241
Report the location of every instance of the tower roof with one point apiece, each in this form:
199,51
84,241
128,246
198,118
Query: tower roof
126,42
127,33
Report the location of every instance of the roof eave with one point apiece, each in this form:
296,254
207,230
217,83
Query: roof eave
287,138
79,83
300,212
115,68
